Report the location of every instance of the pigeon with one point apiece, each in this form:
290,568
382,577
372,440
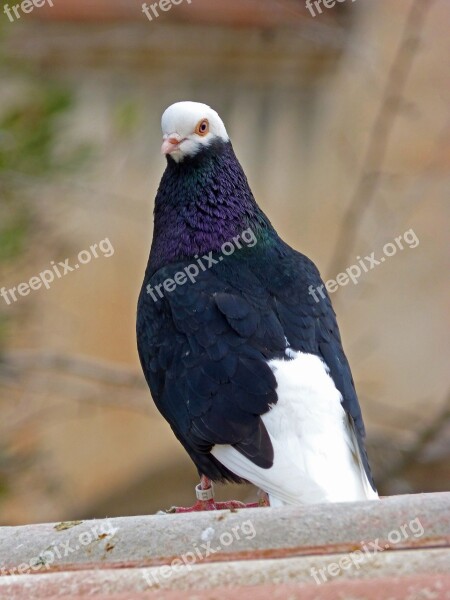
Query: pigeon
237,337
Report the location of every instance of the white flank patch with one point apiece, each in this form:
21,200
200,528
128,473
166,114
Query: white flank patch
316,455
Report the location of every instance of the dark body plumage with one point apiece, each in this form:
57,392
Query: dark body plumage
204,346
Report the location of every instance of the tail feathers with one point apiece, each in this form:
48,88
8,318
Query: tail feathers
362,462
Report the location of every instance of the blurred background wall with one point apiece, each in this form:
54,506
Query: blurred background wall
341,122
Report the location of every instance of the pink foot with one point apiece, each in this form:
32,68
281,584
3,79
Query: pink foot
205,501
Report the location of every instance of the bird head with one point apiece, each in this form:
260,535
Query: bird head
188,127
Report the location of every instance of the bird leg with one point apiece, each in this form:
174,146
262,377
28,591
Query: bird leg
205,500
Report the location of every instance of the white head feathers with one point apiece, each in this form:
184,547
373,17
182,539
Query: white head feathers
189,126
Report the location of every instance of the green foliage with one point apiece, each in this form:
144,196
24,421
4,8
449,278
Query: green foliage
28,131
126,118
12,235
30,122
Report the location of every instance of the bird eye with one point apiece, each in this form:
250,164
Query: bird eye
202,127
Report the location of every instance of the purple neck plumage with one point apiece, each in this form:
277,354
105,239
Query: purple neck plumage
201,203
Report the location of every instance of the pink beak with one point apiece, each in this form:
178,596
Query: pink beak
171,143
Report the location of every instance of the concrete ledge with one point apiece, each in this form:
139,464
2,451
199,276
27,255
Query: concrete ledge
249,574
429,587
318,548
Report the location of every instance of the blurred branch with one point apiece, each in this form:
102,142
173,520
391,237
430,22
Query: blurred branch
99,384
32,396
125,206
391,104
100,372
